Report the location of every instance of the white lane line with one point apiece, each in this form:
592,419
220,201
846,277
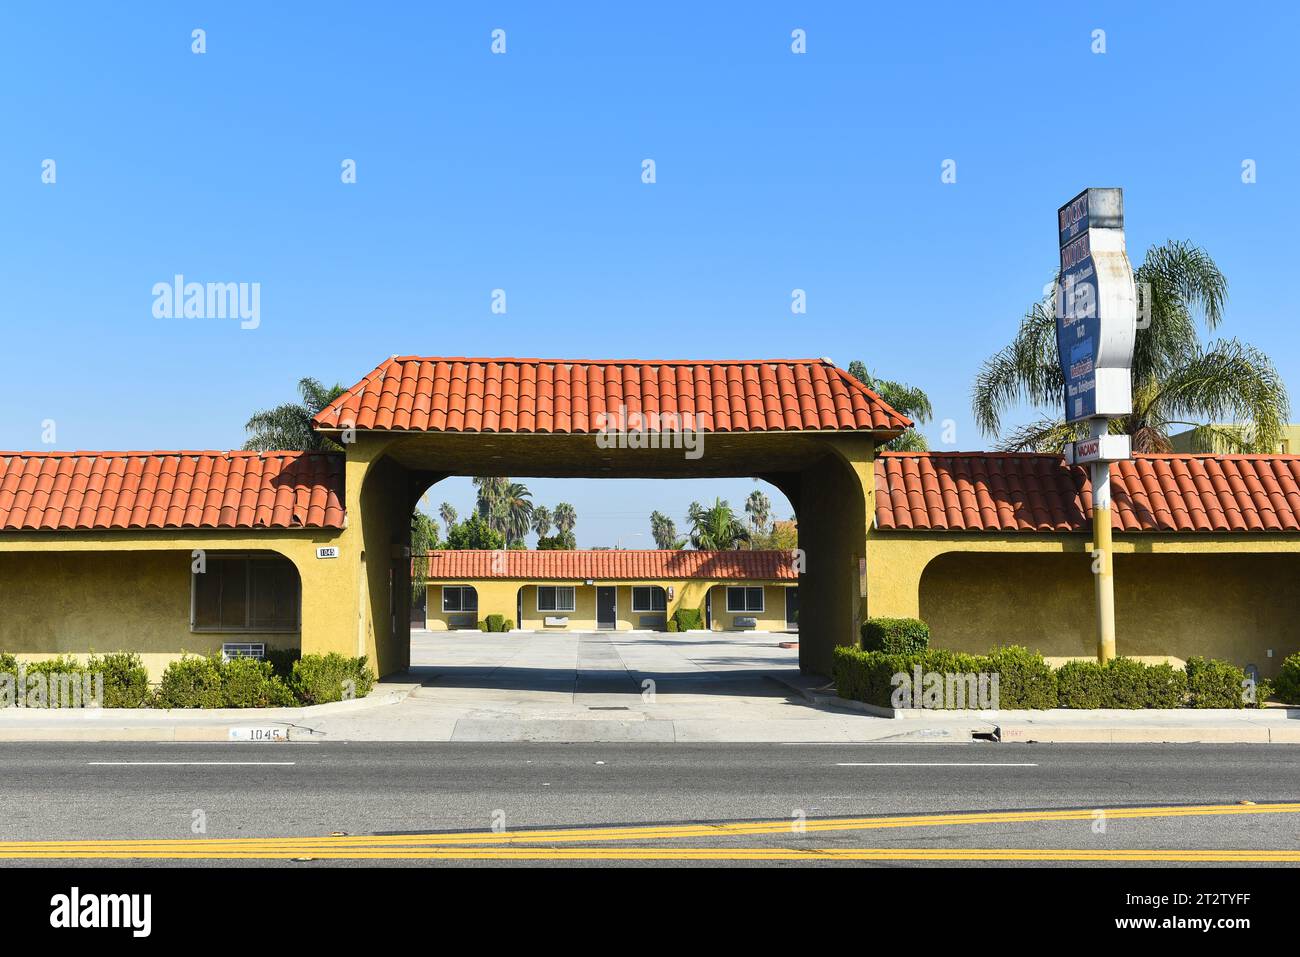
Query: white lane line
278,764
932,764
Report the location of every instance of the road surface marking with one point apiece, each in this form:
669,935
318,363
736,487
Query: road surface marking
418,844
933,764
138,764
818,854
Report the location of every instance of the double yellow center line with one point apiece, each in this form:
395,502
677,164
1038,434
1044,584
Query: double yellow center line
526,845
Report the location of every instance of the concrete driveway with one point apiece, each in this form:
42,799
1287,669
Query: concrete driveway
604,686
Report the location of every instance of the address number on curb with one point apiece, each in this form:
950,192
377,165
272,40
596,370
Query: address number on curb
327,551
259,734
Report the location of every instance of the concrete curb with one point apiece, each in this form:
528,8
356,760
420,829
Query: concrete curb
1102,726
113,724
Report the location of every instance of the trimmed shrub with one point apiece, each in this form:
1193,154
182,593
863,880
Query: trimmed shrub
1025,680
1286,686
52,693
282,660
1120,683
509,625
495,623
672,625
8,664
895,636
252,683
1214,684
1081,684
482,626
869,675
689,619
126,680
318,679
191,682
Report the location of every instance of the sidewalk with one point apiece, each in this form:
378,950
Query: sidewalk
630,686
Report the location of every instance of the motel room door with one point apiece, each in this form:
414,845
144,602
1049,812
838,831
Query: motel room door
792,608
606,607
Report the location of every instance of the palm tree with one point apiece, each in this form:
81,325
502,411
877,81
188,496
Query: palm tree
908,400
542,521
717,527
566,516
664,531
516,511
447,512
759,507
489,488
1177,379
288,426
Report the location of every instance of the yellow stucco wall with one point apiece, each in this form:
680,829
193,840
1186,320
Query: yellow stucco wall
1177,595
499,597
1167,607
771,618
75,603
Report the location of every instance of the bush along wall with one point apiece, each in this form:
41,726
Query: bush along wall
283,679
1286,686
944,680
895,636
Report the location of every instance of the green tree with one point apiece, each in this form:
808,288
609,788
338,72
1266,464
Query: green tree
783,537
559,542
664,531
908,400
566,517
474,533
288,427
1178,380
542,521
759,509
424,539
506,505
716,527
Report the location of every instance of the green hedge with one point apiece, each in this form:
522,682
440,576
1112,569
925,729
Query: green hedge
253,683
318,679
1120,683
494,623
126,679
1025,680
688,619
1286,686
191,682
1218,684
895,636
210,682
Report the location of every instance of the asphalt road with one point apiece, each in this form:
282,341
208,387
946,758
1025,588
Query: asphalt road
63,792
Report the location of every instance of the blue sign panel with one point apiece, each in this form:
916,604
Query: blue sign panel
1078,328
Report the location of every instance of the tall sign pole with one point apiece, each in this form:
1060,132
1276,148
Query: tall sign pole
1096,324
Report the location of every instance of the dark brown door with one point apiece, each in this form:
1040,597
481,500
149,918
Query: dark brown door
606,607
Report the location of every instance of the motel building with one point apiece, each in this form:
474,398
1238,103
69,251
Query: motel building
613,589
192,551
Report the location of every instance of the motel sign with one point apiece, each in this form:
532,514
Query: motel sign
1096,306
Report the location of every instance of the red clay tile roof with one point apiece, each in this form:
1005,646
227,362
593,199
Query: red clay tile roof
410,393
88,491
612,564
991,492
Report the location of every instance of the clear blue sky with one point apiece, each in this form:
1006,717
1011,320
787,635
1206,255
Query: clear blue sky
523,172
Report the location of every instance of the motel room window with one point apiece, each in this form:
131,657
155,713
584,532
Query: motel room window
245,593
649,598
744,599
459,598
555,598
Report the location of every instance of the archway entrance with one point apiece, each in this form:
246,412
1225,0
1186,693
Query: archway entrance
804,426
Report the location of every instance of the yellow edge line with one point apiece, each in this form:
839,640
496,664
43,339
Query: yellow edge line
649,832
704,853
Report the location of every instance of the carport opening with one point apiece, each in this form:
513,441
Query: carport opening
543,581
